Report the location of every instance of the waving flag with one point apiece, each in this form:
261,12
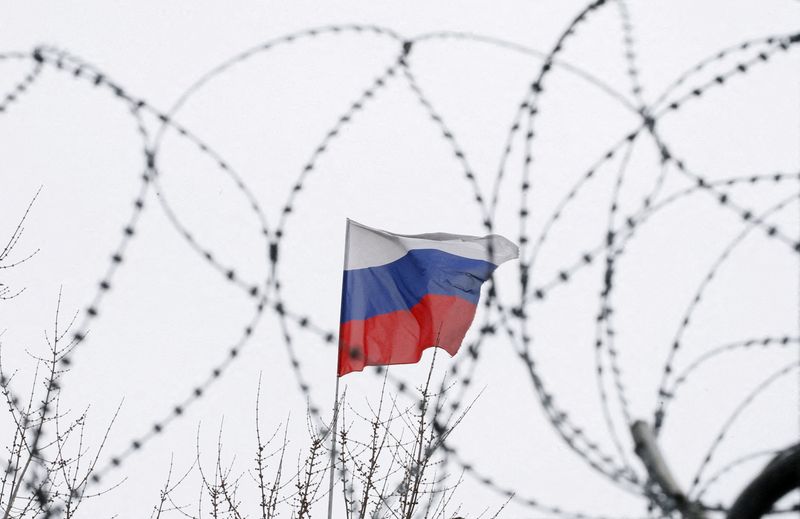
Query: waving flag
403,293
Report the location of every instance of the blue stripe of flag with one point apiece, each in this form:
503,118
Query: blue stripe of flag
401,284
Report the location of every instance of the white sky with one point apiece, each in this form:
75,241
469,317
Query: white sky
170,317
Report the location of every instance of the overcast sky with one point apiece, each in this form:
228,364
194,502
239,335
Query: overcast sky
171,316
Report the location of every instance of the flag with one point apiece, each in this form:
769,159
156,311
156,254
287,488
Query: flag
403,293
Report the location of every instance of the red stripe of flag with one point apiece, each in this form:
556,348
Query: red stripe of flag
400,337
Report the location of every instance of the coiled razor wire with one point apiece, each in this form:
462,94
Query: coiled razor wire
514,321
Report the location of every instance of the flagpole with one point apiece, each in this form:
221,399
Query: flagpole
336,400
333,448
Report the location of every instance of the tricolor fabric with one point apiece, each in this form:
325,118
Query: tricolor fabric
404,293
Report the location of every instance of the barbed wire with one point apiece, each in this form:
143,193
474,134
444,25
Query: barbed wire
711,480
748,400
500,318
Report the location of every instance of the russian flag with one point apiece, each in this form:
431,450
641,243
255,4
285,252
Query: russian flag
404,293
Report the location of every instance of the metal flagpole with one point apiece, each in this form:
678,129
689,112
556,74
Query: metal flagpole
333,448
336,401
